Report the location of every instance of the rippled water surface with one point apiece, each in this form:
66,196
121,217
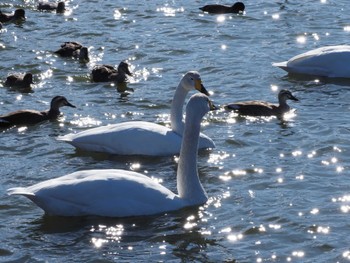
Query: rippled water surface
279,189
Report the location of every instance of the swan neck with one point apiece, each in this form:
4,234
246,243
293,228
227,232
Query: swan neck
188,184
176,113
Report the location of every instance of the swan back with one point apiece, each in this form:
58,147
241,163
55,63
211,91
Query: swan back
114,193
330,61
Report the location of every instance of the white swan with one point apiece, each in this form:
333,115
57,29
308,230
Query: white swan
120,193
330,61
143,138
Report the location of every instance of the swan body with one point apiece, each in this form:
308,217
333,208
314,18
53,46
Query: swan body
120,193
143,138
19,80
263,108
330,61
31,117
236,8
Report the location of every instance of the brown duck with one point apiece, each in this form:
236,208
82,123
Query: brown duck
105,73
59,7
17,16
31,117
20,80
262,108
73,49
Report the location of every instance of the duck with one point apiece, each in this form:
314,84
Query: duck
20,80
18,15
328,61
106,73
31,117
73,49
141,137
122,193
59,7
262,108
236,8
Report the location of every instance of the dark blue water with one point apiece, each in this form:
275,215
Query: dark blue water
279,190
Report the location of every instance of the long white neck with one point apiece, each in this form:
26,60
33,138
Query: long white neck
177,125
189,186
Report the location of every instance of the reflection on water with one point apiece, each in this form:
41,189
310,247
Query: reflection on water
278,188
314,81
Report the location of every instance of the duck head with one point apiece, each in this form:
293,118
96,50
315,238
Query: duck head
284,95
84,54
28,78
19,14
61,7
124,68
238,7
60,101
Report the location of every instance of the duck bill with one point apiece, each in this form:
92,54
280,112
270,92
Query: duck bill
294,98
70,105
199,86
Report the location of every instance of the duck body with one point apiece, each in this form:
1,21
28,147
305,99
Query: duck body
330,61
18,15
236,8
31,117
263,108
59,7
73,49
107,73
120,193
144,138
19,80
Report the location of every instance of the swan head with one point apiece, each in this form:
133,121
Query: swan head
199,105
192,81
285,95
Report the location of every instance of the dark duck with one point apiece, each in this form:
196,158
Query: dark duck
31,117
105,73
236,8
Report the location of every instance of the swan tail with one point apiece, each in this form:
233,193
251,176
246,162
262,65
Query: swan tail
20,191
282,65
65,138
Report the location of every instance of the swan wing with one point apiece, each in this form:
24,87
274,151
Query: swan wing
114,193
329,61
128,138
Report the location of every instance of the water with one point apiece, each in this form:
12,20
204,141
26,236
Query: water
279,190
